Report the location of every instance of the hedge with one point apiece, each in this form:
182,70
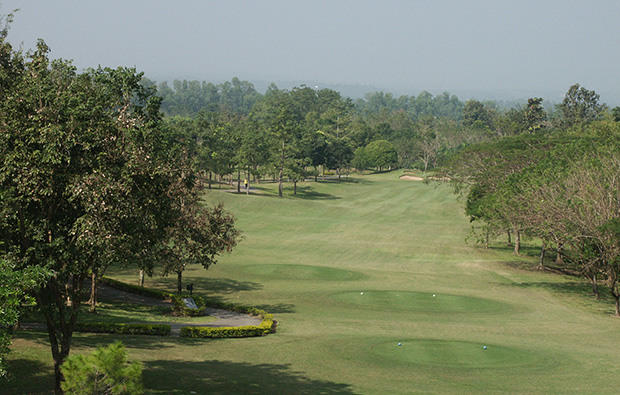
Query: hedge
268,325
264,328
124,329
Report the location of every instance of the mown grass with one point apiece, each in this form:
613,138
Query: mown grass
309,258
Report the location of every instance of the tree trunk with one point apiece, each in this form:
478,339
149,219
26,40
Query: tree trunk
179,282
559,260
60,330
93,293
541,265
616,295
239,181
509,238
517,242
294,187
141,278
210,180
247,187
594,282
338,172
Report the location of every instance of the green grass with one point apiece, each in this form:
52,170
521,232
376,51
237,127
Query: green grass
118,312
307,259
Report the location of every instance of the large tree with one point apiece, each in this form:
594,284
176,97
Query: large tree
86,178
580,106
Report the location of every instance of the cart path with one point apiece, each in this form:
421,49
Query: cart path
225,318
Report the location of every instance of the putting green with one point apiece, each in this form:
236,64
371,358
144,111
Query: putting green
457,354
302,272
422,302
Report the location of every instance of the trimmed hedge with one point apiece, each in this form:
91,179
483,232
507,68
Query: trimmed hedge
268,325
124,329
265,327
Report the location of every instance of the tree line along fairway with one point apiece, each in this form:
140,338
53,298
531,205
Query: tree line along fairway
350,270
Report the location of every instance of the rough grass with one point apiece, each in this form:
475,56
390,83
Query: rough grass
307,259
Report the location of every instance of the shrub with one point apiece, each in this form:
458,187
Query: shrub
105,371
265,327
124,329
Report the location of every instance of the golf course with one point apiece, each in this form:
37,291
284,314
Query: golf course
376,289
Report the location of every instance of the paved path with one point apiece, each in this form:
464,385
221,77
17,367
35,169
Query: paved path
224,317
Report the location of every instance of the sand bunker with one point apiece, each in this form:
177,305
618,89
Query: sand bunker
411,178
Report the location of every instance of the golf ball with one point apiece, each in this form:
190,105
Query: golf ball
399,344
433,295
485,347
361,293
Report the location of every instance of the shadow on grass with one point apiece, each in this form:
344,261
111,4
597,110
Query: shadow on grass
576,288
224,377
306,192
208,286
278,308
115,311
27,376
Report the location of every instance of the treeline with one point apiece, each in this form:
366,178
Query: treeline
231,129
188,98
558,181
235,131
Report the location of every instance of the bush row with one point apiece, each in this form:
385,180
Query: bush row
268,324
237,308
181,309
124,329
265,327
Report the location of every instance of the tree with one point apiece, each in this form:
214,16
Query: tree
15,289
580,107
85,178
105,371
381,154
277,116
535,115
197,235
476,115
338,154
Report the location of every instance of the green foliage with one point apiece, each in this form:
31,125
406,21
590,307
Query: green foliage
380,154
264,328
124,329
189,98
441,106
476,115
580,107
105,371
15,289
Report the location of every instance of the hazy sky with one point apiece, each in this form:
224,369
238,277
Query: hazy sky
523,45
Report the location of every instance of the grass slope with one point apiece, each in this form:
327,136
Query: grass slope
350,270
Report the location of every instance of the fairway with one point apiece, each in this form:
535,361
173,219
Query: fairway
352,269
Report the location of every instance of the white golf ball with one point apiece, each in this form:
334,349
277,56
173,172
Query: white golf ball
361,293
485,347
433,295
399,344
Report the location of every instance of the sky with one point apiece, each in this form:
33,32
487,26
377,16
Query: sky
531,48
